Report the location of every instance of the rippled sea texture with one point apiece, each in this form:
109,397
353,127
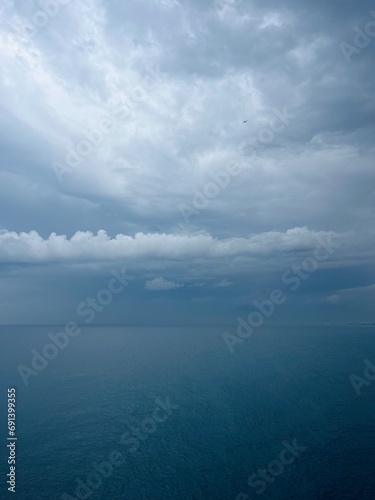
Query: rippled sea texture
234,411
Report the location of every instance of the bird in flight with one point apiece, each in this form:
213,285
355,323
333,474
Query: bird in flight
245,121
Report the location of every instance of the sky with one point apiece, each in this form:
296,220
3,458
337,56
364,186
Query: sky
201,148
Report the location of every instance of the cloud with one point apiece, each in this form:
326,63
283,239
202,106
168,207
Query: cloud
333,299
223,283
356,294
158,284
193,72
86,246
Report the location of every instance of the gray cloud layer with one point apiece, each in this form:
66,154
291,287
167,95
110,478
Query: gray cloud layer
116,114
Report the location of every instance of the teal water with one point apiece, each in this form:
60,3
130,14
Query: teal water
234,412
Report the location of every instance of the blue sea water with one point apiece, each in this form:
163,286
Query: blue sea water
232,413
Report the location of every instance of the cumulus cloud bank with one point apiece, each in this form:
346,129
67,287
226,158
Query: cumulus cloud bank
86,246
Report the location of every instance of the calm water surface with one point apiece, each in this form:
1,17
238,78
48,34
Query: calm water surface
231,413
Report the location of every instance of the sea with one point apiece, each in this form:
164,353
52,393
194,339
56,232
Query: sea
170,413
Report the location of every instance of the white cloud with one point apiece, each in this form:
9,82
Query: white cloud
158,284
361,297
223,283
86,246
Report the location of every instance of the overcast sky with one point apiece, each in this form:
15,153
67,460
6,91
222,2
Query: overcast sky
123,143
